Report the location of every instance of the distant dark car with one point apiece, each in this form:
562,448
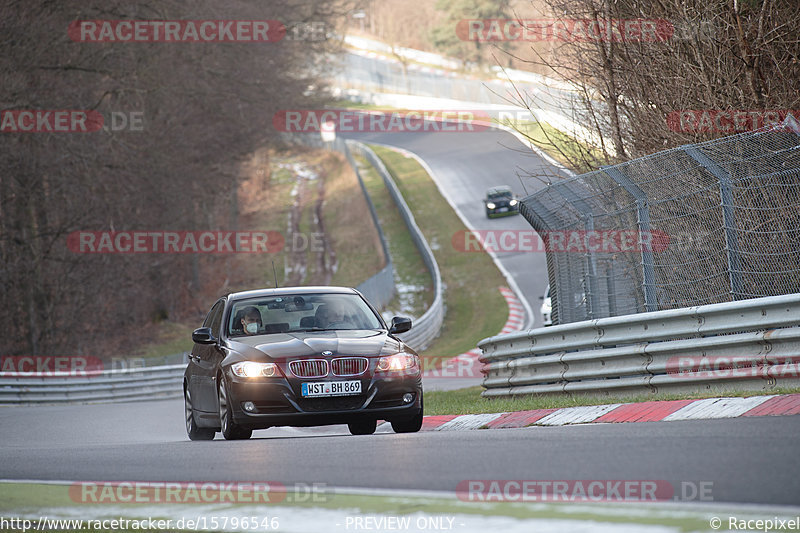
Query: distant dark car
500,202
300,356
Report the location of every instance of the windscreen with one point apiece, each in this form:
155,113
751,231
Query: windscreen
301,312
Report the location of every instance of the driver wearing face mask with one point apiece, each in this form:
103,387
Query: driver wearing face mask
251,321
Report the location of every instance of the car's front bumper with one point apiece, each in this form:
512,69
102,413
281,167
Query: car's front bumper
277,402
496,213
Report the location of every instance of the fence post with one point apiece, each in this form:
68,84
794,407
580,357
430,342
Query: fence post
728,218
643,222
590,288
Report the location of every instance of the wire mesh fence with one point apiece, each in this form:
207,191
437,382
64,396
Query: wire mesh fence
698,224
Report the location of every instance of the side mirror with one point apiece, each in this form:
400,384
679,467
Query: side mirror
203,336
400,324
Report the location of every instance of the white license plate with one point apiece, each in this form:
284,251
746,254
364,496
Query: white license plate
331,388
503,209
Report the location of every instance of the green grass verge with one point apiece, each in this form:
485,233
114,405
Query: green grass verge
35,500
469,401
559,145
475,308
411,276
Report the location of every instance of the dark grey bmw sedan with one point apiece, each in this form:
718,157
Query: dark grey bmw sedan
300,356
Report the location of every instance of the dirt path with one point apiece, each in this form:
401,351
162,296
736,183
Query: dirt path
304,246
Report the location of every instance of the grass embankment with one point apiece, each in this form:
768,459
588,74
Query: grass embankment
559,145
475,309
469,401
412,279
342,250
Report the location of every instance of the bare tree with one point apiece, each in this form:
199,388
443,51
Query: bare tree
205,107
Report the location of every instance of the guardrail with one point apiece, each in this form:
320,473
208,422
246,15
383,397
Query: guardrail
377,289
156,382
749,344
427,327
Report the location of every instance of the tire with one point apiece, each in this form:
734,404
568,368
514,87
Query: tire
194,432
411,425
362,427
230,429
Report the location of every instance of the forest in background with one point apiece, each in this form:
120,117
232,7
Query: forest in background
201,110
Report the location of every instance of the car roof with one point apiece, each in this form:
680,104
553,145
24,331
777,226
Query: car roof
257,293
500,189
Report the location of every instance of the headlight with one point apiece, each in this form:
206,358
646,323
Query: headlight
512,203
251,369
490,205
397,362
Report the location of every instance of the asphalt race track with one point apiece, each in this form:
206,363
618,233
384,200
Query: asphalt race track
748,460
465,164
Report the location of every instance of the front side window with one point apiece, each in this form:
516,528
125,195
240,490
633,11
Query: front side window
301,312
214,318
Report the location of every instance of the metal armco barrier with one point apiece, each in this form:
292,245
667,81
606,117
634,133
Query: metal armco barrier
380,288
156,382
643,352
427,327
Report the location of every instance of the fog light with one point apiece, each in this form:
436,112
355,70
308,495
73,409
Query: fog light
249,406
408,397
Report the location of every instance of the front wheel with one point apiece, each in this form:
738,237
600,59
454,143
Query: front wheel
362,427
411,425
230,429
194,432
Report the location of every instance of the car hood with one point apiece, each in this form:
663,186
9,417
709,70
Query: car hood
284,346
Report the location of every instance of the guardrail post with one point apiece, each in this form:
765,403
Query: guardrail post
728,217
643,223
